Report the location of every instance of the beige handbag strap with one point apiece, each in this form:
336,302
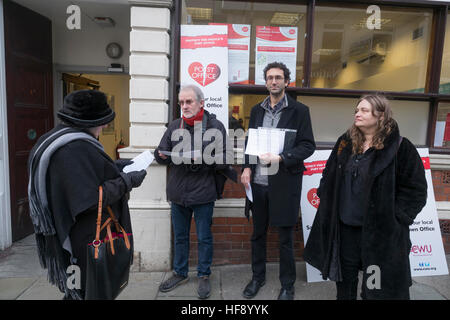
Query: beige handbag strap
107,224
97,241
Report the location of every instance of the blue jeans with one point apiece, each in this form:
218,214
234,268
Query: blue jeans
181,221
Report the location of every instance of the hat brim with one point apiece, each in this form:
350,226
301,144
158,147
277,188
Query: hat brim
81,123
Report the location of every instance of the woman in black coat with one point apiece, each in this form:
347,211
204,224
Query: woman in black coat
371,190
66,167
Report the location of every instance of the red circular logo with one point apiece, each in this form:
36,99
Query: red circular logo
245,29
291,31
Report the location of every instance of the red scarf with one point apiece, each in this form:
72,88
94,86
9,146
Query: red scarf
197,117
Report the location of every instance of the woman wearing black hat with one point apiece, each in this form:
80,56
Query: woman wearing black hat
66,167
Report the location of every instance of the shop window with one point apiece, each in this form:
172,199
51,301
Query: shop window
444,84
331,117
364,47
442,132
255,14
276,14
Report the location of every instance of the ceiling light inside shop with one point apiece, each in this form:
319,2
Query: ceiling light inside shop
287,19
200,13
363,23
326,52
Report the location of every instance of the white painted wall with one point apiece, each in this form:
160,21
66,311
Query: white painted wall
149,92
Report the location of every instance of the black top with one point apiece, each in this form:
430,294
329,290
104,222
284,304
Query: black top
355,188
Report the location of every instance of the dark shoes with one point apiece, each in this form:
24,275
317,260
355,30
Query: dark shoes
286,294
172,283
252,288
204,287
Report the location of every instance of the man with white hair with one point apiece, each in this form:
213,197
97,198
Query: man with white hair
191,185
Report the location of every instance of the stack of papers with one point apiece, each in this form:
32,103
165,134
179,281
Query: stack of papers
265,140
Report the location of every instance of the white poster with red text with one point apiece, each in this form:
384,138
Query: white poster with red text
238,52
275,44
310,201
204,63
427,256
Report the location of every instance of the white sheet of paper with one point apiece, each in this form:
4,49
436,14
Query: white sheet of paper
140,162
264,140
252,142
249,193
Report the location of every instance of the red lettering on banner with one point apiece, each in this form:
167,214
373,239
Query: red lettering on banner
426,163
202,75
275,49
238,46
314,167
416,249
194,42
313,198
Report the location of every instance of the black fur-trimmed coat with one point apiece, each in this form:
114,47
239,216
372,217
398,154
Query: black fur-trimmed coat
398,193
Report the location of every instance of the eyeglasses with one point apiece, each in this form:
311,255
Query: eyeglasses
276,78
187,102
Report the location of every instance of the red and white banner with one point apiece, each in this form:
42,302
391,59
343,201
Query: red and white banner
204,63
275,44
427,257
238,52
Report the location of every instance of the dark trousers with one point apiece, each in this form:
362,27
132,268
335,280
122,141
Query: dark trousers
181,221
351,264
259,239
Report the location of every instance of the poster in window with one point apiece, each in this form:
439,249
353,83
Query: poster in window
204,63
447,128
275,44
238,52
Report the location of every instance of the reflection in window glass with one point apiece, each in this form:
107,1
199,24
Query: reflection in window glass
442,133
354,49
444,86
331,117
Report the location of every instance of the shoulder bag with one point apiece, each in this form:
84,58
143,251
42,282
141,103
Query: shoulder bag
108,259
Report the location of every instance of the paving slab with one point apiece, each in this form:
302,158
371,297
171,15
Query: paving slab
12,288
142,286
41,290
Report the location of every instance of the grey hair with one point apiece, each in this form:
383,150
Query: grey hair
197,91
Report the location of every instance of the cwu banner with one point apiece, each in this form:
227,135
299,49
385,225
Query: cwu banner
427,256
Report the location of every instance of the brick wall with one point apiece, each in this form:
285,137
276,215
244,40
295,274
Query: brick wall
441,184
445,231
232,242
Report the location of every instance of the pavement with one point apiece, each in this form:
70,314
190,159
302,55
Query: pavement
22,278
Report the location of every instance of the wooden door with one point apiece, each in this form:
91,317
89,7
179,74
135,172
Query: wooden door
29,92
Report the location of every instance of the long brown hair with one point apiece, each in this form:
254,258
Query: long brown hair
382,110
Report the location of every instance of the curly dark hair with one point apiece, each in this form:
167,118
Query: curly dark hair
382,110
279,65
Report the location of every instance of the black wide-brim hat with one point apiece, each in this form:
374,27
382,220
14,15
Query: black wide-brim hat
86,109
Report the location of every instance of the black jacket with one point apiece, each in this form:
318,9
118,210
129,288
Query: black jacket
190,183
285,186
75,172
398,193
